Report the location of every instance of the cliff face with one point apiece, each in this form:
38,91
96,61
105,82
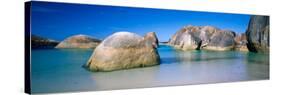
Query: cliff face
40,42
258,34
79,41
203,37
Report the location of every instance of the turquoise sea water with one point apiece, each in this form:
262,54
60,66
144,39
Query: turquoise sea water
60,70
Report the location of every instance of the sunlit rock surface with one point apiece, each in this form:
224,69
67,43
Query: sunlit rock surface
79,41
123,50
203,37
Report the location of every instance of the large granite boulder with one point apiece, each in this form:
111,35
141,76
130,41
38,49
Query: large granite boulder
186,38
79,41
241,42
38,42
203,37
221,40
258,34
123,50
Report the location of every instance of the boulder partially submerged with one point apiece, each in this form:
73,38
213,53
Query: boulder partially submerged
203,37
186,38
79,41
124,50
258,34
221,40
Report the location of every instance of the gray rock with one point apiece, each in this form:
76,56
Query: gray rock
123,50
203,37
186,38
221,40
241,42
258,34
79,41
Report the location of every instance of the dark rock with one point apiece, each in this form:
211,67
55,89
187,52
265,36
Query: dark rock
258,34
38,42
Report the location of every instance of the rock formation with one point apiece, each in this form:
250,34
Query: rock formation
40,42
241,42
258,34
79,41
203,37
152,39
123,50
187,38
221,40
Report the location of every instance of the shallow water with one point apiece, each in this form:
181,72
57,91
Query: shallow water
60,70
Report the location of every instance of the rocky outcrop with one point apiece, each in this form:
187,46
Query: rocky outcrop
241,42
40,42
79,41
203,37
221,40
124,50
186,38
151,39
258,34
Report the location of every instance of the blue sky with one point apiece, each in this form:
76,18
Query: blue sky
60,20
